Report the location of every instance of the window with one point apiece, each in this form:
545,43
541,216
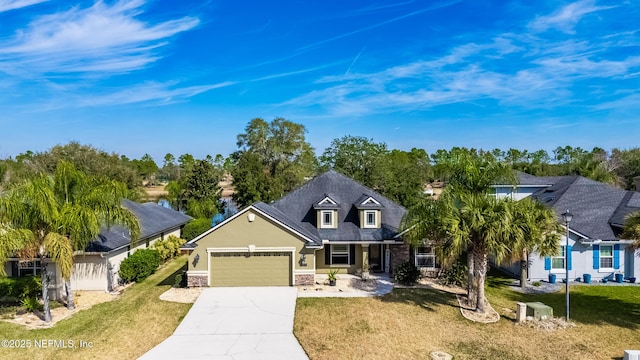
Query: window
557,262
326,218
606,257
370,218
425,257
340,254
28,268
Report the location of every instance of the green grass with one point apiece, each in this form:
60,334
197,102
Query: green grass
121,329
410,323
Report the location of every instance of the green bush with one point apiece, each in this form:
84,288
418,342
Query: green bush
139,265
21,288
179,281
168,248
407,273
456,274
31,304
195,227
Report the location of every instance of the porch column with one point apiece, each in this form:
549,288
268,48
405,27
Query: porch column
365,260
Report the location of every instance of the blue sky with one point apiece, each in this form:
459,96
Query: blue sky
136,76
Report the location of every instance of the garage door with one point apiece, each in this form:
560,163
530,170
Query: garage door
251,269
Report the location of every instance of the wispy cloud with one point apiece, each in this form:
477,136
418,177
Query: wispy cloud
521,70
6,5
104,38
566,18
152,93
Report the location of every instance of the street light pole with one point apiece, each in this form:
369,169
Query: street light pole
567,217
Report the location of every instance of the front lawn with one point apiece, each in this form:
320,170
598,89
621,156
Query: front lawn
121,329
410,323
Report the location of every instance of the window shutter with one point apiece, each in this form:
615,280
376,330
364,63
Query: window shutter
547,263
616,256
327,254
569,248
352,254
596,257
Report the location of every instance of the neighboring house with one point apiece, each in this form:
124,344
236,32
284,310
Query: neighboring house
598,209
331,222
97,267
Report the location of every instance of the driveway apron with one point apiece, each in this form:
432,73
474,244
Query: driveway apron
235,323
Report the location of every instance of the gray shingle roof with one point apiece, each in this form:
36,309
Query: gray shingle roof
595,206
526,179
298,208
154,219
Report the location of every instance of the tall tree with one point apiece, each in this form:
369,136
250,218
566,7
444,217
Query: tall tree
85,158
147,167
286,159
404,175
48,217
359,158
201,190
628,166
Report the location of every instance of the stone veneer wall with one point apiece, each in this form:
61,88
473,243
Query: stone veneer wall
196,280
399,254
305,279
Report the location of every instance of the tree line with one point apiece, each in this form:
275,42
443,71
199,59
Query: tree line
272,158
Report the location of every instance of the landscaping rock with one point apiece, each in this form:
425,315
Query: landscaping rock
440,355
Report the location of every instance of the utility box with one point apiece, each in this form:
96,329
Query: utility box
632,355
539,311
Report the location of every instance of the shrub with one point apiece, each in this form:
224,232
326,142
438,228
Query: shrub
21,288
407,273
455,274
139,265
31,304
168,248
180,280
195,227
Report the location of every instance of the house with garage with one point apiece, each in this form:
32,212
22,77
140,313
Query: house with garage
96,268
330,223
595,247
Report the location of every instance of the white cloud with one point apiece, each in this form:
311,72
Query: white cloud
151,92
104,38
566,18
6,5
531,71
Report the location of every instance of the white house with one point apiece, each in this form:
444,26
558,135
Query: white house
97,267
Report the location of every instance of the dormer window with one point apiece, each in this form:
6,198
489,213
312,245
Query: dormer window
327,210
371,218
370,211
326,219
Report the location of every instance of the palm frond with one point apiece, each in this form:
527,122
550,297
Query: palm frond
59,249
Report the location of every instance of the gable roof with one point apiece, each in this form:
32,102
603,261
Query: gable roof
154,220
297,207
598,209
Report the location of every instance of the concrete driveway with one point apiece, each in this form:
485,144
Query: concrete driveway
235,323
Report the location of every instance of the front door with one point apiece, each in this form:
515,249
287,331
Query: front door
375,258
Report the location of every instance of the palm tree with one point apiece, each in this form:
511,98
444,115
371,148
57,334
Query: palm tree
50,217
465,222
632,228
536,229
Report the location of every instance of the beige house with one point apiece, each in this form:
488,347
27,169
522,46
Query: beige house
331,222
97,267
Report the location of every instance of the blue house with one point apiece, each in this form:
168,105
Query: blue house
595,246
